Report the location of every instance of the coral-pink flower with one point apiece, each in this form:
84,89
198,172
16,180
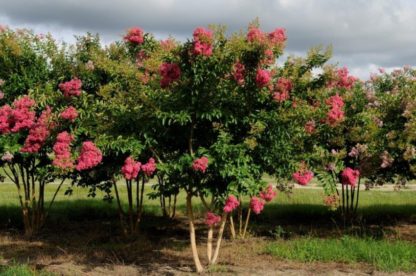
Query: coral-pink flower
278,36
282,89
268,194
202,34
255,35
202,42
200,164
170,72
310,126
135,35
239,73
89,157
22,117
202,48
5,113
343,79
62,151
334,116
349,176
71,88
212,219
269,58
150,167
70,114
256,205
230,204
262,77
130,169
303,177
38,133
335,101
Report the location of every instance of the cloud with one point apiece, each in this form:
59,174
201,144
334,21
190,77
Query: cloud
364,33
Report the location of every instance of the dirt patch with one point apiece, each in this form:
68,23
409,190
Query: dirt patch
96,248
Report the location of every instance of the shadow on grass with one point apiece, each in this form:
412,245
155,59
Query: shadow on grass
88,232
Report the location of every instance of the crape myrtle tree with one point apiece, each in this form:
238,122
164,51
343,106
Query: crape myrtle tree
341,132
394,97
42,141
214,103
120,76
42,117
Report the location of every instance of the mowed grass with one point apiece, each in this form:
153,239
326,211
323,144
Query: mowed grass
302,205
381,254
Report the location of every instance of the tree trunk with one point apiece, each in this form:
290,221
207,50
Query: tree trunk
209,242
219,238
192,237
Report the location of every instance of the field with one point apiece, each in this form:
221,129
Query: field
82,236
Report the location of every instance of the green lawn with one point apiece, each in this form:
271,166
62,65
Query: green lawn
303,204
381,254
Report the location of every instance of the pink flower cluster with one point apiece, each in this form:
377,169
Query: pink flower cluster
5,112
135,35
200,164
170,72
167,45
255,35
268,194
269,58
70,114
202,42
349,176
18,117
386,160
256,205
230,204
282,90
278,36
262,77
332,201
89,157
71,88
239,73
150,167
38,133
130,169
62,150
335,114
7,157
303,177
344,80
212,219
310,126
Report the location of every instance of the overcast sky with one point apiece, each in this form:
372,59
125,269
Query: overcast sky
365,34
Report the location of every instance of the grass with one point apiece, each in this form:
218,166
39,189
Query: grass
381,254
304,205
22,270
